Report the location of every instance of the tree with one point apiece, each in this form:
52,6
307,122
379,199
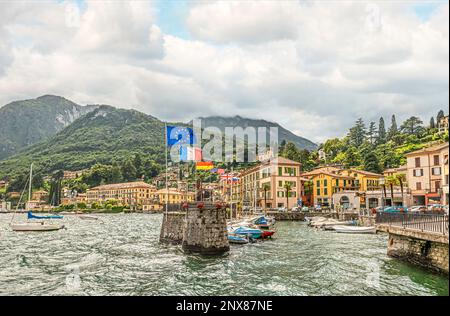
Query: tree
128,171
401,179
381,131
288,188
115,173
351,157
432,124
137,162
265,187
391,181
357,133
439,116
393,130
371,162
371,134
412,126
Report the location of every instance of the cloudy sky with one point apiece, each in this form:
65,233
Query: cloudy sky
312,66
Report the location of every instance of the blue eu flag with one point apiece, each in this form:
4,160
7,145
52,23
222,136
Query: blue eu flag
179,135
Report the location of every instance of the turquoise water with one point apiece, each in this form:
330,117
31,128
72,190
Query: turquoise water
120,255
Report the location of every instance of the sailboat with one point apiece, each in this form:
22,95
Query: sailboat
33,226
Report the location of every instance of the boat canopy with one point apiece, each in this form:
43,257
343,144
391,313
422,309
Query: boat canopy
30,215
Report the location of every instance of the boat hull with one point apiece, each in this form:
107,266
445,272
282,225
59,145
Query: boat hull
355,230
88,217
35,227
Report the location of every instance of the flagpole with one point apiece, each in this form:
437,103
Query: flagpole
167,178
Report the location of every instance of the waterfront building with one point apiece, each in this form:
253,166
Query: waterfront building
427,174
267,182
443,124
138,195
40,195
173,196
395,171
79,198
333,186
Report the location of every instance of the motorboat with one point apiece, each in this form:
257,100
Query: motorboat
237,239
355,229
253,233
88,217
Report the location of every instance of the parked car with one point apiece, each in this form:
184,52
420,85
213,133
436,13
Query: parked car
436,208
396,209
418,208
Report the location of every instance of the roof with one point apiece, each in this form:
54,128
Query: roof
367,173
282,160
322,171
125,185
428,149
401,168
171,191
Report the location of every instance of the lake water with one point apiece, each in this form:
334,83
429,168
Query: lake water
120,255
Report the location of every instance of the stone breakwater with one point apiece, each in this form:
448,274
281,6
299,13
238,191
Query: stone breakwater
202,228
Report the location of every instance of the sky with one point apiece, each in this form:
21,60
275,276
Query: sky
315,67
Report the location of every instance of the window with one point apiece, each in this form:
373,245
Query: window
418,185
436,160
345,183
436,171
280,183
437,185
417,161
325,191
325,182
318,191
318,183
418,172
337,182
280,171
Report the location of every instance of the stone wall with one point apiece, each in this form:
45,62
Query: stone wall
366,220
206,229
287,216
423,249
172,228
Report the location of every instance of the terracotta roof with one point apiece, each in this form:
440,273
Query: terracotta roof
368,173
334,175
125,185
428,149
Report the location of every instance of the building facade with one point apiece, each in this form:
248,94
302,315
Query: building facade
427,175
443,124
138,195
265,185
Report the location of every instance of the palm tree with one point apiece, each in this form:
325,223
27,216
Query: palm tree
401,179
288,188
391,181
265,187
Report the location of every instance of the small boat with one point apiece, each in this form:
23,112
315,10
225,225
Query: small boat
237,239
355,229
37,226
263,222
88,217
267,233
248,231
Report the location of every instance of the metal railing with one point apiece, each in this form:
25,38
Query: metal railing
429,222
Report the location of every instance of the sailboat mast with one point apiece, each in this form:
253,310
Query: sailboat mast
30,184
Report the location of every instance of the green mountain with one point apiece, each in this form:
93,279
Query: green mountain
234,121
101,136
23,123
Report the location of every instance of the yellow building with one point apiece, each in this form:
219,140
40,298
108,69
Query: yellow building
137,195
330,180
266,183
173,196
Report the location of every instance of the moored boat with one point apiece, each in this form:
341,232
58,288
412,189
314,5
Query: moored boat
248,231
355,229
237,239
37,226
267,233
88,217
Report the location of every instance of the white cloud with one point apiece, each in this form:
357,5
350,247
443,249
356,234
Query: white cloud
314,67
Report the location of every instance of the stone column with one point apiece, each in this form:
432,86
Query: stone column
206,229
172,227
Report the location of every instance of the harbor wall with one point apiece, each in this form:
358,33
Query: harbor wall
205,229
366,221
172,228
428,250
287,216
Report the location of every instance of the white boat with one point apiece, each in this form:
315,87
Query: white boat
37,226
88,217
33,226
355,229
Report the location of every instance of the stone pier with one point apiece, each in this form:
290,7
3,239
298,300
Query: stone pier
422,248
172,228
206,229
